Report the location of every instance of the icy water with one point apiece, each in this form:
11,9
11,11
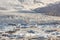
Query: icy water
11,28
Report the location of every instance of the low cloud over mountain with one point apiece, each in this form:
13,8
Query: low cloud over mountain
17,5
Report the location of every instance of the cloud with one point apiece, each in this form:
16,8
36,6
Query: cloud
2,8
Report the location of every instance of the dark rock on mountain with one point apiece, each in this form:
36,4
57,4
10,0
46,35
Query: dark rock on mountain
51,9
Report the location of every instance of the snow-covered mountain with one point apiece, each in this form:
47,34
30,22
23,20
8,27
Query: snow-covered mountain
14,12
13,7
